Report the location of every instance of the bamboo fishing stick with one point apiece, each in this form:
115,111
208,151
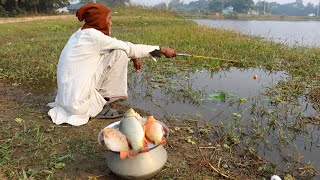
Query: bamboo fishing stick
205,57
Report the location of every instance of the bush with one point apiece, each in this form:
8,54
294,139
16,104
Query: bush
3,12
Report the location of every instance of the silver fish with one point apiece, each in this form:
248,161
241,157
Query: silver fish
132,127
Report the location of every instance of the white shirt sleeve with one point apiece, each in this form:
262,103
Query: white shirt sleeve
107,44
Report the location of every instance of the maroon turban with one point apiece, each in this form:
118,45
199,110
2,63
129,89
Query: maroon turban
94,15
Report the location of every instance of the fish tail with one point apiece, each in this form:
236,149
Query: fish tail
150,119
124,154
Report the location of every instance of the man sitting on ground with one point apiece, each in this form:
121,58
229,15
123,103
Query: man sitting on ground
92,69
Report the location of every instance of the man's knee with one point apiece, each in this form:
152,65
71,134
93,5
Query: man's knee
115,57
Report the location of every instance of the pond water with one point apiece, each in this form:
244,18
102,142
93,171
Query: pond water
287,148
238,83
301,33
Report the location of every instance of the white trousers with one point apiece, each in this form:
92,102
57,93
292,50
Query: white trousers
111,75
79,99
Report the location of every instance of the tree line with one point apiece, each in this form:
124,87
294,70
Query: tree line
243,6
18,7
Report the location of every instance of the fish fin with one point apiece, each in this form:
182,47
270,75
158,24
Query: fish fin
150,119
163,141
133,153
124,154
105,131
130,113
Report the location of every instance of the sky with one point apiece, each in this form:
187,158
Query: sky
152,2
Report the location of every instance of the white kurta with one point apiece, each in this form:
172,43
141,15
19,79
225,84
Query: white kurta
80,62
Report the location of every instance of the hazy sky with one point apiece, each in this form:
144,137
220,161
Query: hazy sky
152,2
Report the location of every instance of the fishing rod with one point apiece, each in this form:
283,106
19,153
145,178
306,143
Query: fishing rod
206,57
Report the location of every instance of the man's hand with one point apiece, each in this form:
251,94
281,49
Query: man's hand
137,64
168,52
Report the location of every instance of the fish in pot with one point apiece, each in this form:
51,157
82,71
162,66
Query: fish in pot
134,130
154,131
116,141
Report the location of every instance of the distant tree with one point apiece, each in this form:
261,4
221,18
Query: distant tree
160,6
34,4
299,4
271,7
199,6
113,3
310,8
263,6
16,7
242,6
291,9
216,5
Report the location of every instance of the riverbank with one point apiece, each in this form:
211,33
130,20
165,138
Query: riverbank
260,17
32,147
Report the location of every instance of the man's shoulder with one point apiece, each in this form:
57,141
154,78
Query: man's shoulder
95,33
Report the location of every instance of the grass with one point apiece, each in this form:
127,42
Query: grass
32,147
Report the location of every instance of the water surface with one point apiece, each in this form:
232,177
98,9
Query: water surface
301,33
237,82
